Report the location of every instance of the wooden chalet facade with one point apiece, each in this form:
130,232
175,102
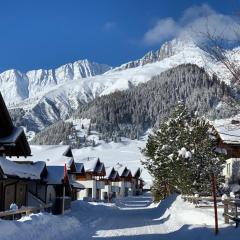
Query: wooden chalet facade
111,181
137,182
229,143
125,181
92,180
50,190
13,178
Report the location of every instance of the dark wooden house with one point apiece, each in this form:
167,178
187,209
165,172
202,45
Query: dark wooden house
13,141
13,176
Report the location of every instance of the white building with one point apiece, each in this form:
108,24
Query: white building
93,180
112,181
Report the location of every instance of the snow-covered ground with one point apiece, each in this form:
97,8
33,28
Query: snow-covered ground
130,218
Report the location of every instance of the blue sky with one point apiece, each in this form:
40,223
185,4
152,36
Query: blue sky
48,33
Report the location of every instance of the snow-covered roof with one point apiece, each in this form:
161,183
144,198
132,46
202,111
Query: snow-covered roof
134,170
53,155
228,130
77,185
89,163
55,175
22,170
123,170
80,168
111,173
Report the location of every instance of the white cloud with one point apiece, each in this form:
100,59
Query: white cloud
163,29
194,23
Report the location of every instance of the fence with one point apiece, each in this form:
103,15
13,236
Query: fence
231,210
231,206
13,214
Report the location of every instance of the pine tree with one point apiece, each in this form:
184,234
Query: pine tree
180,155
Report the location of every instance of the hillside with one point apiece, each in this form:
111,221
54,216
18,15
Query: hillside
58,103
131,112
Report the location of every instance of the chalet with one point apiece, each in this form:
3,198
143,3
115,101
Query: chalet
93,180
125,180
111,180
51,187
15,179
13,141
137,182
229,144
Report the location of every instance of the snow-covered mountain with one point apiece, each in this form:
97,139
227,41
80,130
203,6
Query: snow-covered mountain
168,49
17,86
48,96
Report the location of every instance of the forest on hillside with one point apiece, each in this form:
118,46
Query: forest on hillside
131,112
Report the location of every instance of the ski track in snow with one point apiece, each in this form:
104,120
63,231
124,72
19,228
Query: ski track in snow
129,218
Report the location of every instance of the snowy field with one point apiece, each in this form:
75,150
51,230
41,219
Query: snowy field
127,153
130,218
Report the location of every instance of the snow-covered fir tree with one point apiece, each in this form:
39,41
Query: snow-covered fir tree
180,155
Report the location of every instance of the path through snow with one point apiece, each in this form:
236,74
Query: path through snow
130,218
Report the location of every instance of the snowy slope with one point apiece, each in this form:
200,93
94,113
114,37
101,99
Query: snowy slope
17,86
130,218
57,100
125,153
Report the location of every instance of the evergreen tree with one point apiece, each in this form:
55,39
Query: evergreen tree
180,155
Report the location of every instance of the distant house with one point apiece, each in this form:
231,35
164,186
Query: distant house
229,144
93,180
125,180
137,182
112,180
51,187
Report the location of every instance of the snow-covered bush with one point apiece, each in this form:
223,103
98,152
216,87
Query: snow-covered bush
13,207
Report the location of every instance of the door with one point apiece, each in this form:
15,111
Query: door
21,194
9,196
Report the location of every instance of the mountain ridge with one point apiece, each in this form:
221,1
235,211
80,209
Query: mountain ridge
17,86
62,100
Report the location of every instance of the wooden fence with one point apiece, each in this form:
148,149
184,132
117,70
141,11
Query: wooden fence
199,200
231,210
13,214
231,206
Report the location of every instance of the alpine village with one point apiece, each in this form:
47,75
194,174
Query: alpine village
143,148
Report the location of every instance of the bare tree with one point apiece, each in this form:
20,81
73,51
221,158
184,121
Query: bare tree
217,45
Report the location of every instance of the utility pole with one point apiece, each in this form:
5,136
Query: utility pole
64,184
215,202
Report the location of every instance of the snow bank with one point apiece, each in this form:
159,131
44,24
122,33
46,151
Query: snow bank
130,218
40,226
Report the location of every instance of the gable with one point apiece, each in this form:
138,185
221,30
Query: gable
13,141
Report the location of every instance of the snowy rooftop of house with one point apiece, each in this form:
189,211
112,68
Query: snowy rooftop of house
111,173
89,163
53,155
134,170
229,130
79,167
22,170
120,168
55,175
